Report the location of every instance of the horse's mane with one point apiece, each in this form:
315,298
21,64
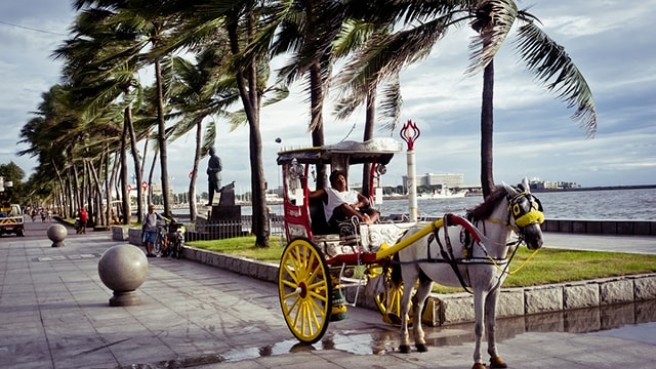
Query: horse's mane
485,209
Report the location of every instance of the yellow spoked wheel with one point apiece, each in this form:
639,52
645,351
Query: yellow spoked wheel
304,287
388,301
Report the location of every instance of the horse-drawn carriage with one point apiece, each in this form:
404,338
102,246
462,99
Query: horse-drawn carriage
318,263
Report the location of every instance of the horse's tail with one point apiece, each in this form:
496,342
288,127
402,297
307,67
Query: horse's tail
396,276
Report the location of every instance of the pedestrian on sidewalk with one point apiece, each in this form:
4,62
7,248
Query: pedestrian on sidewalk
149,230
84,218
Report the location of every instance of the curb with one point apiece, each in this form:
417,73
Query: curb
445,309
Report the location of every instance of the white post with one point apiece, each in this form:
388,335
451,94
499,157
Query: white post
410,132
412,188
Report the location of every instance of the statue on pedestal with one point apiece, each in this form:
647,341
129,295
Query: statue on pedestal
213,175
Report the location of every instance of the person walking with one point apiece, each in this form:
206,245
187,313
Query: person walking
84,218
213,175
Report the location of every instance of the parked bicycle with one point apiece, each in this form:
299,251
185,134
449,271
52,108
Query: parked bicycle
175,239
162,243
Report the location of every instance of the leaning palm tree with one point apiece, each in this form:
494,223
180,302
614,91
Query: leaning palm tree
141,24
304,31
493,20
199,95
543,56
236,23
354,36
102,62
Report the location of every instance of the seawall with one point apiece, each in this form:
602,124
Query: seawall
604,227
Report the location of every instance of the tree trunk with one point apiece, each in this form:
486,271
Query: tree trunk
108,187
124,177
316,113
250,97
161,138
194,172
113,183
127,116
150,178
95,182
62,186
487,123
368,135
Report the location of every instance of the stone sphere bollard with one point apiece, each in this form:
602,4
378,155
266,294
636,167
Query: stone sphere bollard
123,269
57,233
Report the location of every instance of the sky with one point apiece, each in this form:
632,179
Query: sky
610,42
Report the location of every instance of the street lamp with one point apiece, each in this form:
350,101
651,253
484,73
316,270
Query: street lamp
279,142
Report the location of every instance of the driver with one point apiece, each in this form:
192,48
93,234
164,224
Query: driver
341,204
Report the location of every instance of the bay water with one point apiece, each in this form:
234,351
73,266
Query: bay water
620,204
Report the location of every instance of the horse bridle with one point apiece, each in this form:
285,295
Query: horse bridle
525,209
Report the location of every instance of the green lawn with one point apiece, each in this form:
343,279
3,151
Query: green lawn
547,266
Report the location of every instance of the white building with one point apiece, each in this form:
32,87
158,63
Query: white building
450,180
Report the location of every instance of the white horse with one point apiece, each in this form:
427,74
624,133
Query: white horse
473,256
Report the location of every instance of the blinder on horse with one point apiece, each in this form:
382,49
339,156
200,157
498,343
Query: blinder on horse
526,209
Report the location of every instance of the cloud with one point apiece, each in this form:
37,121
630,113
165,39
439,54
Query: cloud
609,41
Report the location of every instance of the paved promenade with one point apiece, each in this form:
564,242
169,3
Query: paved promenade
54,313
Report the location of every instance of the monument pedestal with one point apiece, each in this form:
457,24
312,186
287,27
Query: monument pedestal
225,218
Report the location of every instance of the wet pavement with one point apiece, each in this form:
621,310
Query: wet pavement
54,313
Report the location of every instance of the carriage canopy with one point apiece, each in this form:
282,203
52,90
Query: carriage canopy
376,150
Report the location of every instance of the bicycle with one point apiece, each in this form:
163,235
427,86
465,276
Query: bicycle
175,239
162,243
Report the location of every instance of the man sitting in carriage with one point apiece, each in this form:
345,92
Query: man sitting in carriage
341,204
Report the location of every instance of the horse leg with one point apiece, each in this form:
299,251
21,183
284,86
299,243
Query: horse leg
409,275
423,291
479,328
496,362
404,347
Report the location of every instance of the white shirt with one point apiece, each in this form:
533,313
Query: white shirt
150,222
337,198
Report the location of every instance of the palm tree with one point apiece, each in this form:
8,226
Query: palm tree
493,21
68,139
235,22
305,29
139,24
198,94
353,37
102,62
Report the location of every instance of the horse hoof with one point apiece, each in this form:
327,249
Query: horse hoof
478,366
421,347
497,363
404,349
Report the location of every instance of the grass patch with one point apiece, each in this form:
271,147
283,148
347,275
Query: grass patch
547,266
244,247
558,265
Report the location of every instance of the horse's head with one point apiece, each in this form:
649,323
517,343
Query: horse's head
525,214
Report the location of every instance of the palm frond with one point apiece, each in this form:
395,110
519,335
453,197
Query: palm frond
209,138
494,20
353,35
390,106
554,69
385,55
237,119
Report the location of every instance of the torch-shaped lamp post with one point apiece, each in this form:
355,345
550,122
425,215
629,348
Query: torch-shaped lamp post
409,133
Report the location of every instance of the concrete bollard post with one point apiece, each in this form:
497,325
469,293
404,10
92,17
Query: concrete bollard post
57,234
123,269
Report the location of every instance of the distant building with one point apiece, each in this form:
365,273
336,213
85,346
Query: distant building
431,180
538,184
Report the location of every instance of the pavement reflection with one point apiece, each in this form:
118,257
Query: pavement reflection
632,320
